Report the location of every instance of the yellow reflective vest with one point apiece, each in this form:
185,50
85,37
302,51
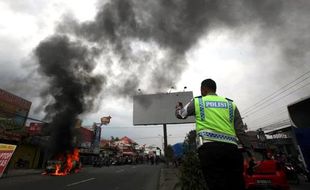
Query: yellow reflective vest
215,118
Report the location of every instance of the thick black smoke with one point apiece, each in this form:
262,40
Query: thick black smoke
174,26
167,27
72,86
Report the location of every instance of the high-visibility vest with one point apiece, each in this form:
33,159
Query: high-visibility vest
215,118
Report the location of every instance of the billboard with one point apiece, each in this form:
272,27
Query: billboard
155,109
6,152
13,111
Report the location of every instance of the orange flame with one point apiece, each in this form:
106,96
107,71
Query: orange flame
71,164
58,172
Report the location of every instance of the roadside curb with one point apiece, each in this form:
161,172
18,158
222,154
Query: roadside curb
168,178
18,173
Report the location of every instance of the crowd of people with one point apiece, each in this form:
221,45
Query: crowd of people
151,159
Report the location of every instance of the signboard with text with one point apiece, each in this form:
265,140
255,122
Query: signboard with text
13,111
6,152
35,128
105,120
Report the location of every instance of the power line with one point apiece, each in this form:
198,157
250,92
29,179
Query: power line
267,112
273,125
269,121
247,109
271,98
269,103
21,116
268,116
250,108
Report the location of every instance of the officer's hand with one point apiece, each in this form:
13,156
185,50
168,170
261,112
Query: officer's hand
179,105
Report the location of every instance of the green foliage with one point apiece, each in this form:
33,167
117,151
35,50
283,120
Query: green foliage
191,177
113,139
190,142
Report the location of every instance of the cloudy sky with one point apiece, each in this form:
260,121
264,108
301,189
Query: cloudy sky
256,51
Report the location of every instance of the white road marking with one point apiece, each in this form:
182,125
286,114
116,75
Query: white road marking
119,171
83,181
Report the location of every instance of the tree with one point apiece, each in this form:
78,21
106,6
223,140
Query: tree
169,153
190,141
113,139
191,177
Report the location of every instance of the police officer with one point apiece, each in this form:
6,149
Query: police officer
219,128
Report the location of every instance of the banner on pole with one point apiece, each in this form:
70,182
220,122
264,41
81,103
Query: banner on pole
105,120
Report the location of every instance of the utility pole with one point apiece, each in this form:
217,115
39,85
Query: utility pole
165,136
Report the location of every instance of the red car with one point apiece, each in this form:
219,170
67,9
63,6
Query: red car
264,174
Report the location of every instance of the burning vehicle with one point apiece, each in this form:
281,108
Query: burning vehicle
64,164
54,165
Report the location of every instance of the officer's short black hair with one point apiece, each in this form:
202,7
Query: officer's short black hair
209,83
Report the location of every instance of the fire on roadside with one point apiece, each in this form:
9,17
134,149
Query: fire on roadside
64,164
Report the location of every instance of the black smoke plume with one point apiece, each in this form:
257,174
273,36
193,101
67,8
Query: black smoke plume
175,26
72,86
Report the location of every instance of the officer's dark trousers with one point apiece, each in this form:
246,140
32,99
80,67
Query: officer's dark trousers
222,166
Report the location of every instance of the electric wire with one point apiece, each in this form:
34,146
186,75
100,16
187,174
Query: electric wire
276,93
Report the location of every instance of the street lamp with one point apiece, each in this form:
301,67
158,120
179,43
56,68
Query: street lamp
139,91
171,88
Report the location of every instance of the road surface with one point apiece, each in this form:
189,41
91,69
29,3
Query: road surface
127,177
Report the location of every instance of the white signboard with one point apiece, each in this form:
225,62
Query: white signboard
155,109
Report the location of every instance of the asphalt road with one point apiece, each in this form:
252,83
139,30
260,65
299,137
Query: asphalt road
128,177
302,186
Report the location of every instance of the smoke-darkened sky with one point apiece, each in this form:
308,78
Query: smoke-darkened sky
105,51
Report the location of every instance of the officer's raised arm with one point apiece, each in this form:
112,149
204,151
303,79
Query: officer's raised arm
183,112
